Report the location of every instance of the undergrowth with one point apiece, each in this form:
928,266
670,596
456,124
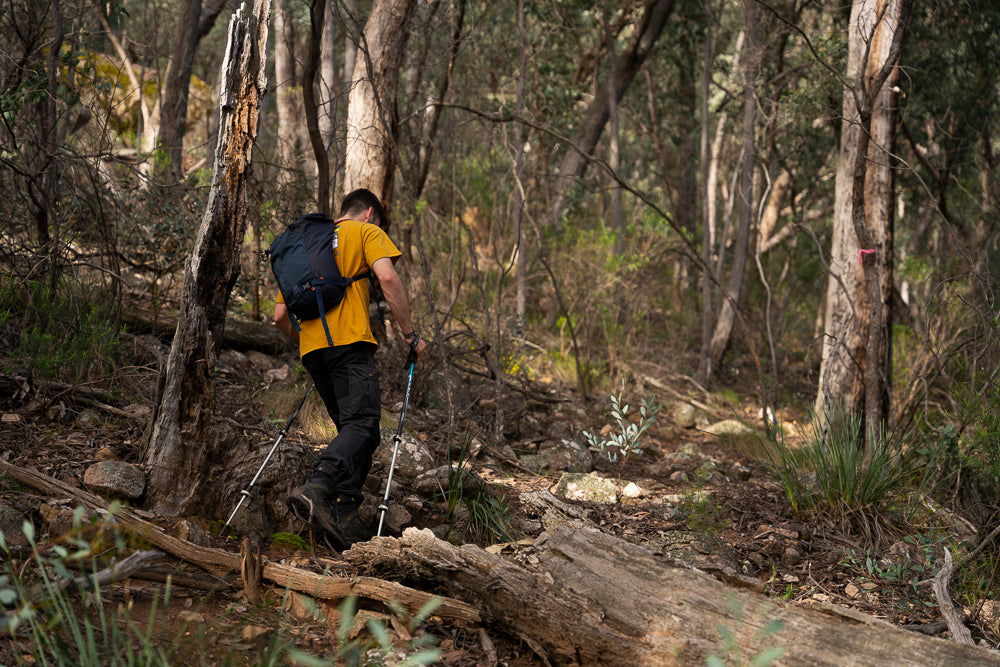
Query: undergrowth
52,615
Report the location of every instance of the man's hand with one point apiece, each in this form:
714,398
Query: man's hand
285,323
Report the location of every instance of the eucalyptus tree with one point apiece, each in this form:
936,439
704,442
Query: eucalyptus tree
856,351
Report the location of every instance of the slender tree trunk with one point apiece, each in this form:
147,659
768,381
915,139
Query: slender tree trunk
855,367
519,195
182,449
286,93
614,150
173,108
370,159
574,162
707,195
741,250
327,91
317,18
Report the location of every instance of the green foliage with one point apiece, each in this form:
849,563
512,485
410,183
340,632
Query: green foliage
40,601
702,512
830,474
290,540
485,516
378,649
732,652
72,625
67,332
898,578
625,441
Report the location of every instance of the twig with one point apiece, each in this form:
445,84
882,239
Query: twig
123,569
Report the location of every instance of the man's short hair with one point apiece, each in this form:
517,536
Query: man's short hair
359,201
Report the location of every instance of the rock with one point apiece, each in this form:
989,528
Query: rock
566,455
89,417
235,363
684,415
279,374
791,557
434,482
697,550
729,427
11,523
260,361
579,486
188,616
251,633
632,490
396,518
413,458
116,478
138,410
58,519
106,454
192,532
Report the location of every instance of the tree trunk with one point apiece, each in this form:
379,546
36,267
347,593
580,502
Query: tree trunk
583,597
317,20
521,274
741,250
574,162
181,447
286,94
173,109
854,371
370,159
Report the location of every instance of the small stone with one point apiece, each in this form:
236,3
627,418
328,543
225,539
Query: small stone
187,616
250,633
792,557
632,490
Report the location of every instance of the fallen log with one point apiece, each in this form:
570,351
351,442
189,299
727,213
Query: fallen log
240,334
583,597
221,562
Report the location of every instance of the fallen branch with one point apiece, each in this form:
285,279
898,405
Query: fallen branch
956,627
128,567
221,562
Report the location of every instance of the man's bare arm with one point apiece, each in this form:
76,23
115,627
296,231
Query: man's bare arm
395,296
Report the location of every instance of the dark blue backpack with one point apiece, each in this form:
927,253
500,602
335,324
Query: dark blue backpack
303,262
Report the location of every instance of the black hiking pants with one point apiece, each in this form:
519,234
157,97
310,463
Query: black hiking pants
348,382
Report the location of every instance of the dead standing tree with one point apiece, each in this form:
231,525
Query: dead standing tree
182,446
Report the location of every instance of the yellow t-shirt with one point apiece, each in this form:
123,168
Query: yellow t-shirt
359,245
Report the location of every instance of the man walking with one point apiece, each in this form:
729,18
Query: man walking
343,369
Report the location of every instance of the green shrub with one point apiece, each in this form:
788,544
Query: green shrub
66,333
831,477
625,441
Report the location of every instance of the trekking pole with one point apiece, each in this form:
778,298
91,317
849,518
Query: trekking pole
411,360
245,493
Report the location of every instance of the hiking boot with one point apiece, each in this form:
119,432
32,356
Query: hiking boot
351,526
311,503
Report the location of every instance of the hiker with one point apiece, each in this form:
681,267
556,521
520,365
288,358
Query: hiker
338,351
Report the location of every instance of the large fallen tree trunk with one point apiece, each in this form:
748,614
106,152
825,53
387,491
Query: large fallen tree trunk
580,596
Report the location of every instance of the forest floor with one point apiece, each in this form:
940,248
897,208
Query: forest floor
733,508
